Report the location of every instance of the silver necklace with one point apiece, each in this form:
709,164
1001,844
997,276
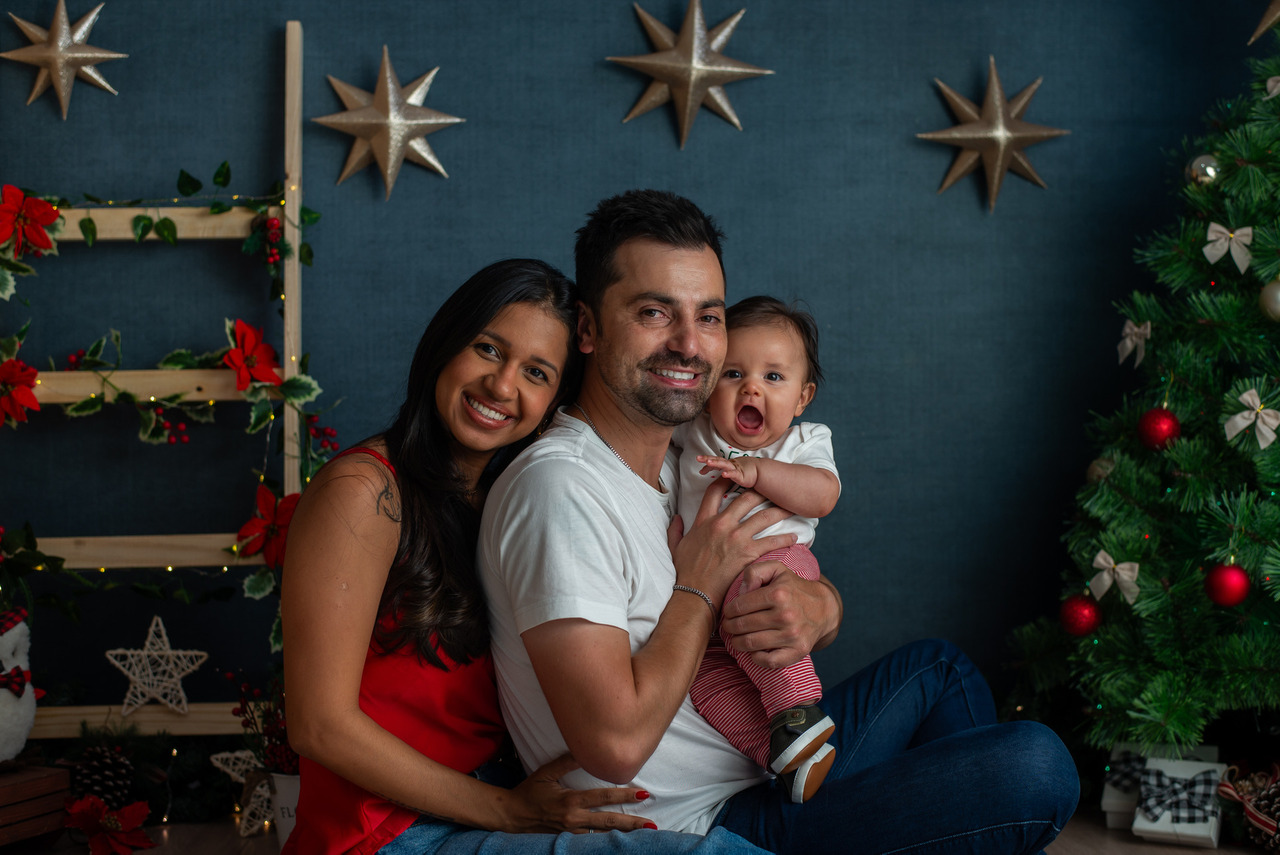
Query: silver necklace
609,446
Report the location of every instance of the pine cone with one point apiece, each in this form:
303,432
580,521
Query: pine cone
104,773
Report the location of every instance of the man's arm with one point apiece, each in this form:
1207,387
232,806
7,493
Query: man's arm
613,706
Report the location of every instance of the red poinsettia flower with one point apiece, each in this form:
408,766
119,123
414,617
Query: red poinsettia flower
24,217
266,533
111,832
17,380
252,358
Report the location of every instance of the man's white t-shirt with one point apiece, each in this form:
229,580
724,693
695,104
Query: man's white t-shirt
570,532
808,443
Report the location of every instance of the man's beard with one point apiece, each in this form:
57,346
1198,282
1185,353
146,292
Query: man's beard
666,406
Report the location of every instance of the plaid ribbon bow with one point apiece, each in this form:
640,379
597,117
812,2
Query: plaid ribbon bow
15,680
1124,772
1186,799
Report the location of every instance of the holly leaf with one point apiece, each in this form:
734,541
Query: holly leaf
308,216
259,415
305,253
8,286
198,412
89,229
178,359
222,176
14,266
188,184
141,227
211,359
147,423
277,635
300,389
94,199
95,349
230,327
219,208
85,407
260,584
148,589
167,231
124,396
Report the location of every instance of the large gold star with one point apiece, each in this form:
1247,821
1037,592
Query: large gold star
389,124
688,69
1269,19
62,54
156,671
994,136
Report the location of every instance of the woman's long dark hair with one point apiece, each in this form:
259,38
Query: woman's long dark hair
432,591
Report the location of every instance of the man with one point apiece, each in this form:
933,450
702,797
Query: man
600,615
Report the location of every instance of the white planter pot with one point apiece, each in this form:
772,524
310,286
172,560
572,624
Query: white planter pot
284,804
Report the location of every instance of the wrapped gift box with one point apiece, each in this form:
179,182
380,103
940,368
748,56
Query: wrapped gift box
1120,788
1189,815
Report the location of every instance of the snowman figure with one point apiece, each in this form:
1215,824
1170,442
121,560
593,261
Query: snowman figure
17,695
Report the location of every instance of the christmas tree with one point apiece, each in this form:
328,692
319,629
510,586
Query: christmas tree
1171,610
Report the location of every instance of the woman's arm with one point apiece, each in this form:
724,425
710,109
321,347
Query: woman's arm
342,541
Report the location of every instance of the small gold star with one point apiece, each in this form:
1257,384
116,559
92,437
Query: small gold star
993,136
1269,19
389,124
62,54
156,671
688,69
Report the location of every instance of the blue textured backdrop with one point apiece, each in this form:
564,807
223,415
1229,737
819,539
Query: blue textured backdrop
963,349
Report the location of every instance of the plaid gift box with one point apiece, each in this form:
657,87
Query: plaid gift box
1177,802
1123,773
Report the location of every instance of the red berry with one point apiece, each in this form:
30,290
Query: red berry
274,236
230,676
72,358
313,431
159,411
257,693
330,432
236,711
312,419
273,223
80,352
166,425
333,446
186,438
244,687
182,425
172,439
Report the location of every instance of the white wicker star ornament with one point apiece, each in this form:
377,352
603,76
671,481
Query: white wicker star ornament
62,54
235,763
255,815
155,672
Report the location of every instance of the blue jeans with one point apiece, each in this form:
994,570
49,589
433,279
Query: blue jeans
443,838
921,766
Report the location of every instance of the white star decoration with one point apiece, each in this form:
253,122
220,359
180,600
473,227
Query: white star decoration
993,136
389,124
235,763
1269,19
688,69
255,815
156,671
62,54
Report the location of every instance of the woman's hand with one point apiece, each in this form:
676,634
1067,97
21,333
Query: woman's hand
542,804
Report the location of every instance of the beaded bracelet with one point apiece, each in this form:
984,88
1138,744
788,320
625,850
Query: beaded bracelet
698,593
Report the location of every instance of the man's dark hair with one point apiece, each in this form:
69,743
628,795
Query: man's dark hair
770,311
654,214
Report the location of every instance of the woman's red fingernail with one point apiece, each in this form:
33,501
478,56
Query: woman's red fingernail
651,825
641,795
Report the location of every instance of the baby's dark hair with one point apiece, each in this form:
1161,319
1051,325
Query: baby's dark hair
769,311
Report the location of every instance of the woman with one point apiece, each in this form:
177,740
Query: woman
391,692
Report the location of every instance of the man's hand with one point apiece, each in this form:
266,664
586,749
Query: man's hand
780,618
742,471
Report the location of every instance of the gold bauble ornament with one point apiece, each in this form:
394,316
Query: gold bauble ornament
1269,19
1202,169
62,55
389,123
688,69
1269,299
1099,470
993,136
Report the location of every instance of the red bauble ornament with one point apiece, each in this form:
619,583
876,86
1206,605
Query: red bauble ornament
1227,585
1079,614
1157,428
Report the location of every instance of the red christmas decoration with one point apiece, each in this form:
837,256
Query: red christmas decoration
252,358
268,531
1079,614
1227,585
1157,428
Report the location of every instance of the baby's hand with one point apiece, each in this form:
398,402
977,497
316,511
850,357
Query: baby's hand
740,470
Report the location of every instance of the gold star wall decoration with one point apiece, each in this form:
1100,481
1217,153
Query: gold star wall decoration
156,671
1269,19
993,136
688,69
389,124
62,54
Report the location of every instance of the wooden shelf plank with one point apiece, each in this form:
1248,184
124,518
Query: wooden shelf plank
191,223
146,551
293,235
207,719
200,384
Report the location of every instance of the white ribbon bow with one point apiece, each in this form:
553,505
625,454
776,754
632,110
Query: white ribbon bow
1221,241
1267,420
1134,337
1273,88
1125,576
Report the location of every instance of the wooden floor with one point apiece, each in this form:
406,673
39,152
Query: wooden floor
1086,834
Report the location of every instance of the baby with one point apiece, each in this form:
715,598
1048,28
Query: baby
745,434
